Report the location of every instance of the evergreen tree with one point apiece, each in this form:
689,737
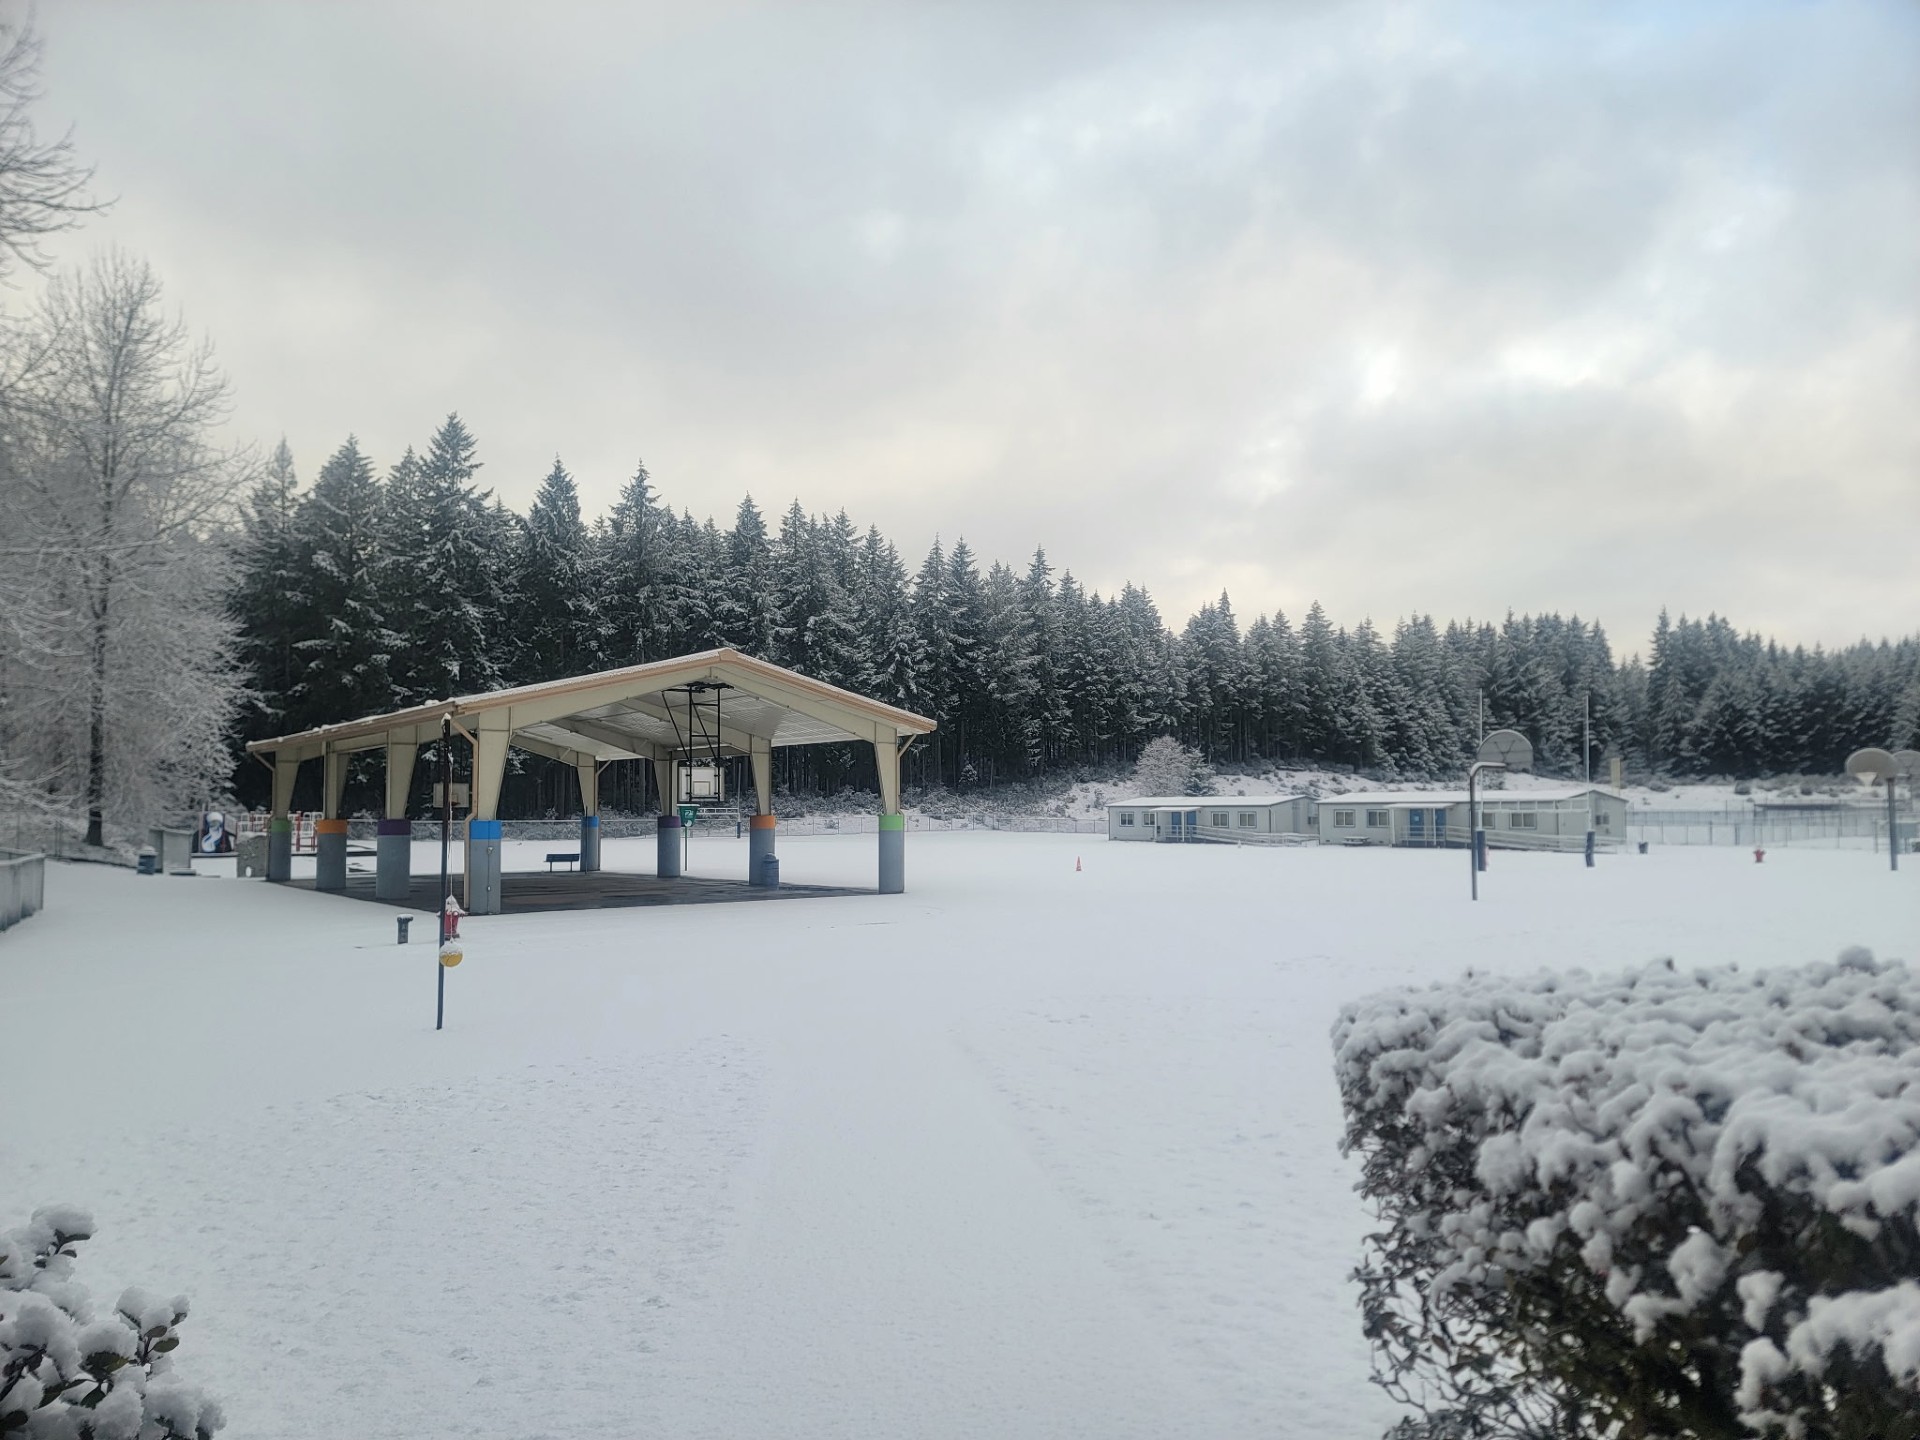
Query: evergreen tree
267,598
359,596
345,645
747,612
890,668
557,615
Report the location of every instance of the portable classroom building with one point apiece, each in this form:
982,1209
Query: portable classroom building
1248,819
1546,819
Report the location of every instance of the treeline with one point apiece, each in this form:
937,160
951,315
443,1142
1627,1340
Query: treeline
365,592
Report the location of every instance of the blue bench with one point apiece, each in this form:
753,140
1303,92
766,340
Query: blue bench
571,858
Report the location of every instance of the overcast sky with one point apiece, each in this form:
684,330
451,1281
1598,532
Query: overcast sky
1452,308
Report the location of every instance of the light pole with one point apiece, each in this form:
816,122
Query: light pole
1502,750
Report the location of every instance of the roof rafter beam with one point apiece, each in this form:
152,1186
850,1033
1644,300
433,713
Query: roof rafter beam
548,750
595,737
741,740
859,727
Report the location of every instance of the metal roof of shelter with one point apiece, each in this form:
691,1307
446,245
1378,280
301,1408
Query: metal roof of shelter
718,701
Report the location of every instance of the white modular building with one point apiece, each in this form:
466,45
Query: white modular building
1246,819
1545,819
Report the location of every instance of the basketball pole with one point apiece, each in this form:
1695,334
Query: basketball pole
446,820
1893,825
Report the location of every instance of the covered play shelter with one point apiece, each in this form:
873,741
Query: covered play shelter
693,710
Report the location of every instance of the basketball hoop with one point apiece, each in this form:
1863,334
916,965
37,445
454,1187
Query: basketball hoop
1873,766
1507,748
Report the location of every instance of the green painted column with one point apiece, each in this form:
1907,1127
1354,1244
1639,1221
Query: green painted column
893,854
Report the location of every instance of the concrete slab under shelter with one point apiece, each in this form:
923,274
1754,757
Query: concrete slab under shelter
537,892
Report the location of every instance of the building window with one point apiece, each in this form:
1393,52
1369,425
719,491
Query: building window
1600,819
1523,820
1376,819
1343,819
1126,817
1247,821
1218,818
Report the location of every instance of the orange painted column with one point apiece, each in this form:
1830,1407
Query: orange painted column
330,861
760,831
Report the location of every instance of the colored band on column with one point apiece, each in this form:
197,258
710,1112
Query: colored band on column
329,827
760,822
483,829
280,825
669,822
893,822
592,822
396,827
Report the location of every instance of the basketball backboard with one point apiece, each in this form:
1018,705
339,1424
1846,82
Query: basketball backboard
1872,765
1509,748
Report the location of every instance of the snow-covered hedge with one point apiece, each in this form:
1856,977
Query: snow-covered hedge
1658,1203
66,1374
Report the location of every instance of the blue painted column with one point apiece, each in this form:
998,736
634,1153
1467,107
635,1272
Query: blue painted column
483,867
330,855
667,867
393,860
589,842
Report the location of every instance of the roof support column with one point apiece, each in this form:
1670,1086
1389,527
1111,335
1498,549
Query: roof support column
760,828
760,759
280,824
330,831
893,825
483,828
393,857
668,854
588,769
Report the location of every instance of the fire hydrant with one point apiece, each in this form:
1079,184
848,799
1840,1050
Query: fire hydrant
1758,855
454,912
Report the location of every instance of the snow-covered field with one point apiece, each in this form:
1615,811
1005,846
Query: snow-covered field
1024,1152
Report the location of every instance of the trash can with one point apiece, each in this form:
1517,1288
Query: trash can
149,860
403,921
769,876
1643,847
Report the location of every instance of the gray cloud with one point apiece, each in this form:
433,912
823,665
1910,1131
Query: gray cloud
1449,307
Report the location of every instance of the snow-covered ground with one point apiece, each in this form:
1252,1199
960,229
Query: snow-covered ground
1027,1151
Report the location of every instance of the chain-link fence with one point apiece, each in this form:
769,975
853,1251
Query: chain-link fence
1834,826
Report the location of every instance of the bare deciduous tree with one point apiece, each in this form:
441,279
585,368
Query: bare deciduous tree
121,477
43,186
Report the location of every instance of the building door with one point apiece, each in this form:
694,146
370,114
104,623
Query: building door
1439,827
1416,827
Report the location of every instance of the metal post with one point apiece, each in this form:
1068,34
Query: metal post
1893,827
1473,828
446,822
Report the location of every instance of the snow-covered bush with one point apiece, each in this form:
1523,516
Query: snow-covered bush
67,1375
1169,768
1652,1204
